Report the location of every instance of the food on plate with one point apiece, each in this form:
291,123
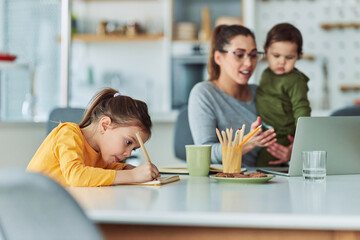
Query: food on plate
241,175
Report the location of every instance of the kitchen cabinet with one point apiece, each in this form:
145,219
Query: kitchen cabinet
189,56
154,66
137,65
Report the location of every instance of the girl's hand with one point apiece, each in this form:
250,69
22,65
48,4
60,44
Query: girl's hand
145,172
260,139
281,152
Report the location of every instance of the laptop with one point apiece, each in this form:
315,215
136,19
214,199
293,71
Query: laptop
338,136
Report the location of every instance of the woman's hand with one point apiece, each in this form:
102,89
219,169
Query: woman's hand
260,139
281,152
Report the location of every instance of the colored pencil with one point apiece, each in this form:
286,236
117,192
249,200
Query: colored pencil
219,136
224,137
236,139
227,135
249,136
242,131
143,147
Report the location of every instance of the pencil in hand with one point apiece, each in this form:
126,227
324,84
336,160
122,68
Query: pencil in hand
143,147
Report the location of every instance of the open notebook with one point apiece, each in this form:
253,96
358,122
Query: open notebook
160,181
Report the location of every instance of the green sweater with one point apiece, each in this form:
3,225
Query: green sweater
281,100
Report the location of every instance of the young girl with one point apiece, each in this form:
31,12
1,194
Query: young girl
88,154
281,97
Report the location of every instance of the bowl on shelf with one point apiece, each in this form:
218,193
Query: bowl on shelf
7,57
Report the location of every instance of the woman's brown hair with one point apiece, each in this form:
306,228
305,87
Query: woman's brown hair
221,36
284,32
122,110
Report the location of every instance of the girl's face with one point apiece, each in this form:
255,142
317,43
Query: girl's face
240,59
116,143
281,57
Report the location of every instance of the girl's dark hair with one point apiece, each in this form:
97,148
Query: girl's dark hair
122,110
284,32
221,36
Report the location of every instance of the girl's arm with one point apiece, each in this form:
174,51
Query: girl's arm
68,149
143,173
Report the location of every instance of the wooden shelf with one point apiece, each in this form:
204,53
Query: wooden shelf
340,25
108,0
115,38
307,57
350,87
194,41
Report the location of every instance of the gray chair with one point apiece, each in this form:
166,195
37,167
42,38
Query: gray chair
33,206
64,115
347,111
182,133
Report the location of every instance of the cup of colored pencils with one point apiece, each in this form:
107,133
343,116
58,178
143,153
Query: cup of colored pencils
231,147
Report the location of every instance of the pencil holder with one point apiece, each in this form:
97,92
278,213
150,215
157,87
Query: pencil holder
231,159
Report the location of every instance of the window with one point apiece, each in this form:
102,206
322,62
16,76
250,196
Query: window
29,86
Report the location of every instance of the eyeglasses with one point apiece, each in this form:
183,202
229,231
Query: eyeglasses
254,56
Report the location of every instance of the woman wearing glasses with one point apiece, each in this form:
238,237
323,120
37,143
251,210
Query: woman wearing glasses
227,100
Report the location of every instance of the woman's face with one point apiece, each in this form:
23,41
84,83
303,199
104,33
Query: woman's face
117,143
240,60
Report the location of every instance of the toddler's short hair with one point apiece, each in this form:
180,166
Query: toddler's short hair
284,32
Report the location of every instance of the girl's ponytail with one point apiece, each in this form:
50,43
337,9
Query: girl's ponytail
122,110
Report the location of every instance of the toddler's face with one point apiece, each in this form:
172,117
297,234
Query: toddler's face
117,143
281,57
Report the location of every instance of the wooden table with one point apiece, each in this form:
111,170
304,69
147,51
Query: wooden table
202,208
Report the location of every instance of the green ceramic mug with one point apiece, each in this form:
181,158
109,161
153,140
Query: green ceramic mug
198,159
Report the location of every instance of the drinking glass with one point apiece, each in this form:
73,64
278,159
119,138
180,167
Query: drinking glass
314,165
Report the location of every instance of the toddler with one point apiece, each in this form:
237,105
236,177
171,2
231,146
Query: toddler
281,97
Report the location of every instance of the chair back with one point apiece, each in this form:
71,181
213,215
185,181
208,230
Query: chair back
347,111
182,134
67,114
33,206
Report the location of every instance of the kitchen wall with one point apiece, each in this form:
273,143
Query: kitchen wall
335,50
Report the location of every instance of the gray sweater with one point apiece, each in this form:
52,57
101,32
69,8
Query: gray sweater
211,108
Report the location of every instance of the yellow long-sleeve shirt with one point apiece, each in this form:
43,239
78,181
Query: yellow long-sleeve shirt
67,157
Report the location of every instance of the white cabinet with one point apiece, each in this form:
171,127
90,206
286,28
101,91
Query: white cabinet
136,65
149,66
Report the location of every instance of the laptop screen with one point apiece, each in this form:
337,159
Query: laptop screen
338,136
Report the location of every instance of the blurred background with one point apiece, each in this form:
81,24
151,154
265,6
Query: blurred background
156,50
